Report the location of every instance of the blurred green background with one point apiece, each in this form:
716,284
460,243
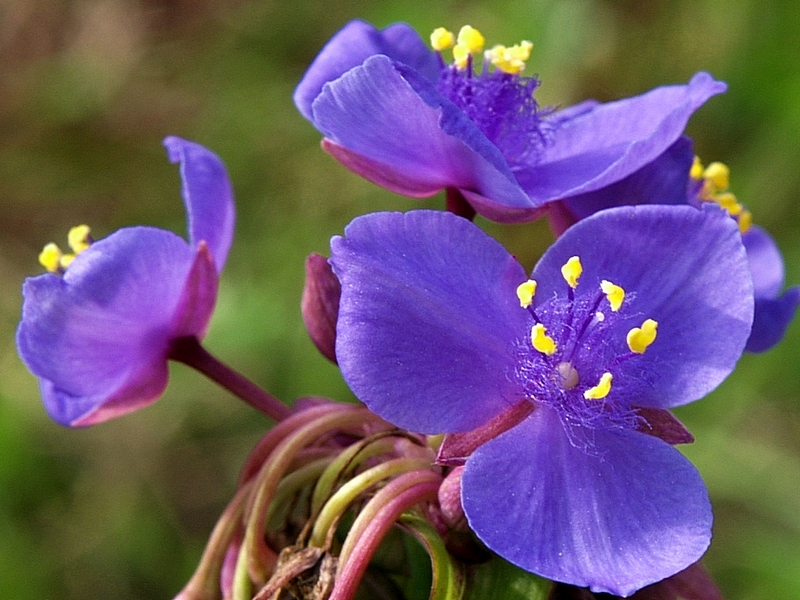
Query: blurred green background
89,88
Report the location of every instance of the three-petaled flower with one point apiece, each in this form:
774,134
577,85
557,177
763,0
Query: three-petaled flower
98,330
635,308
394,112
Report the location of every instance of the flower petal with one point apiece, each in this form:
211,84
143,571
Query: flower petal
427,317
397,130
199,297
633,514
207,194
686,268
766,262
771,319
662,181
351,46
603,145
100,333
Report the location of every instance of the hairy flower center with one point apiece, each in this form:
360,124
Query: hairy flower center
55,261
497,98
571,361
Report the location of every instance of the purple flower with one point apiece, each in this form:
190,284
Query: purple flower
440,331
98,333
677,177
394,112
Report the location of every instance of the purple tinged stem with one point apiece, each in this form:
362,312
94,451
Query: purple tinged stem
374,521
189,351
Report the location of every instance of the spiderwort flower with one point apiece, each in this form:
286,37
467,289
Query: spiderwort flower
679,177
396,113
440,331
97,329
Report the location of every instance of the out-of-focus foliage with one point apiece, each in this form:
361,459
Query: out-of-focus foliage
88,88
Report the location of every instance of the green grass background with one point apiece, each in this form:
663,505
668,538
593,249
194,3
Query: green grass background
89,88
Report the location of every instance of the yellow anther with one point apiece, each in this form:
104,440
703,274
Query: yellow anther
614,293
79,239
640,338
601,390
471,39
525,292
696,172
461,56
510,60
571,271
50,257
66,260
718,174
442,39
729,202
541,341
745,221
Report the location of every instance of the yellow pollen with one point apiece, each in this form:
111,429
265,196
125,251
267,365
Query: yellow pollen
696,172
512,59
614,293
601,390
745,221
571,271
718,174
442,39
525,292
640,338
471,39
729,202
79,239
66,260
541,341
50,257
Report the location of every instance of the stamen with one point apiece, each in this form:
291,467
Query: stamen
718,174
729,202
745,221
696,172
614,293
79,238
541,341
571,271
510,60
50,257
640,338
442,39
601,390
470,41
525,292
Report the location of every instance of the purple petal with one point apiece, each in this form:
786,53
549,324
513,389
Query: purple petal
351,46
397,128
683,267
662,181
606,144
771,319
427,318
634,514
207,194
199,296
766,263
100,334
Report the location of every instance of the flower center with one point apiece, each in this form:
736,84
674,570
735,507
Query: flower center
497,98
55,261
710,184
574,352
